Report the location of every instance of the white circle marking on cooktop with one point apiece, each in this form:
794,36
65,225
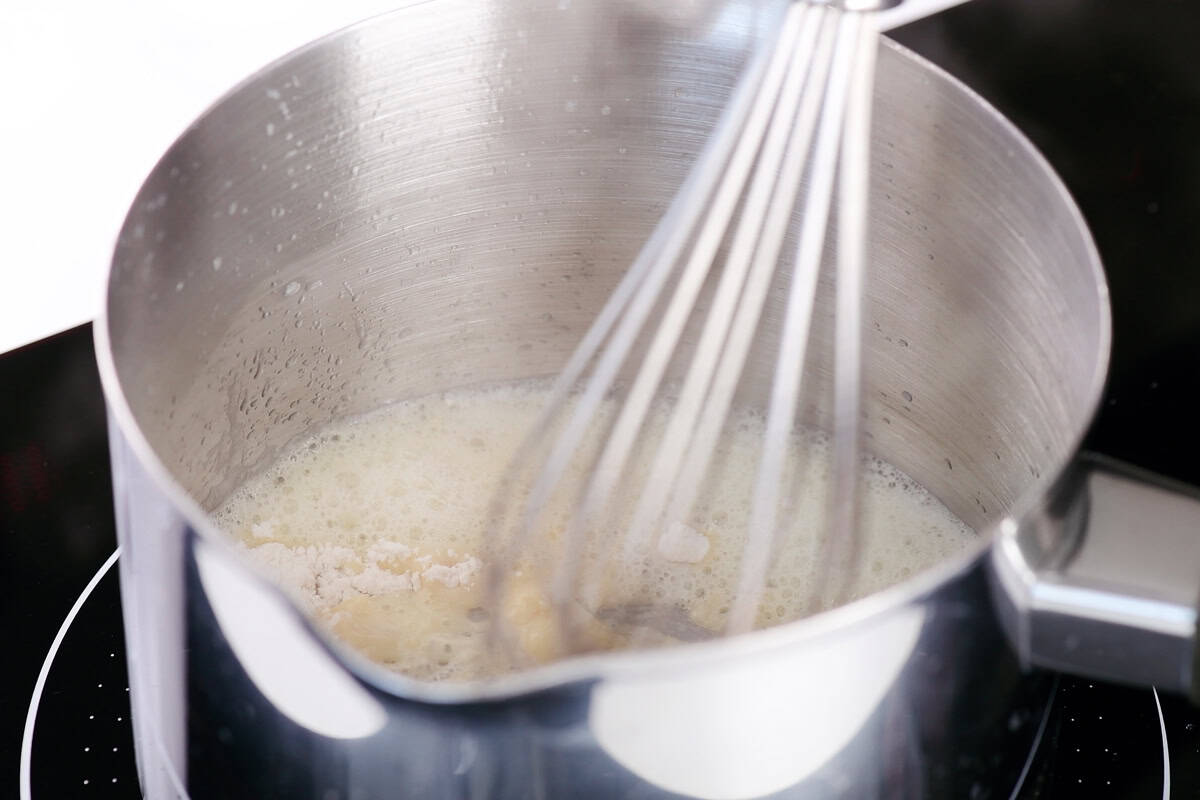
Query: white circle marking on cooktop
1037,740
40,685
1162,726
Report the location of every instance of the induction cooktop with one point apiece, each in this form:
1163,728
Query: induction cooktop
66,705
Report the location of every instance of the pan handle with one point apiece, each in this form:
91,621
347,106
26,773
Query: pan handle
1104,579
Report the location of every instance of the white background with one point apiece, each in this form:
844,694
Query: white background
91,94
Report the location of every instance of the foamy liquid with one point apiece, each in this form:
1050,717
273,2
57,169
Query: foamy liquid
376,526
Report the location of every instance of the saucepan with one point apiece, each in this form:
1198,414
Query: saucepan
444,196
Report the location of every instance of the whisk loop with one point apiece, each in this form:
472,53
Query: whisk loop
798,120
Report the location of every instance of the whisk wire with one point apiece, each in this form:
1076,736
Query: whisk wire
622,437
793,343
801,111
695,397
841,546
684,482
666,241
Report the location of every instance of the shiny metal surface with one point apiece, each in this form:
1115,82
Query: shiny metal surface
445,196
1104,582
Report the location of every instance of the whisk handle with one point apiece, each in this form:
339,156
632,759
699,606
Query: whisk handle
859,5
896,14
890,14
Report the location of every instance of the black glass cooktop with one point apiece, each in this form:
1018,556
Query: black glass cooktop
1109,91
58,544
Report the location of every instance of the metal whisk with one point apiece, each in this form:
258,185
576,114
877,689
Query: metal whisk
801,111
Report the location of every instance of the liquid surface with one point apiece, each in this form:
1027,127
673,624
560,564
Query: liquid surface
376,526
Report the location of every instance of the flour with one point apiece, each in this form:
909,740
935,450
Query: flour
323,576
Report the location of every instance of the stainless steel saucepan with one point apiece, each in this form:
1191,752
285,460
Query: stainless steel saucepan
444,196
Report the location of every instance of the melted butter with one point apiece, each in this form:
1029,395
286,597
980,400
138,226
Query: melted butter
376,526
